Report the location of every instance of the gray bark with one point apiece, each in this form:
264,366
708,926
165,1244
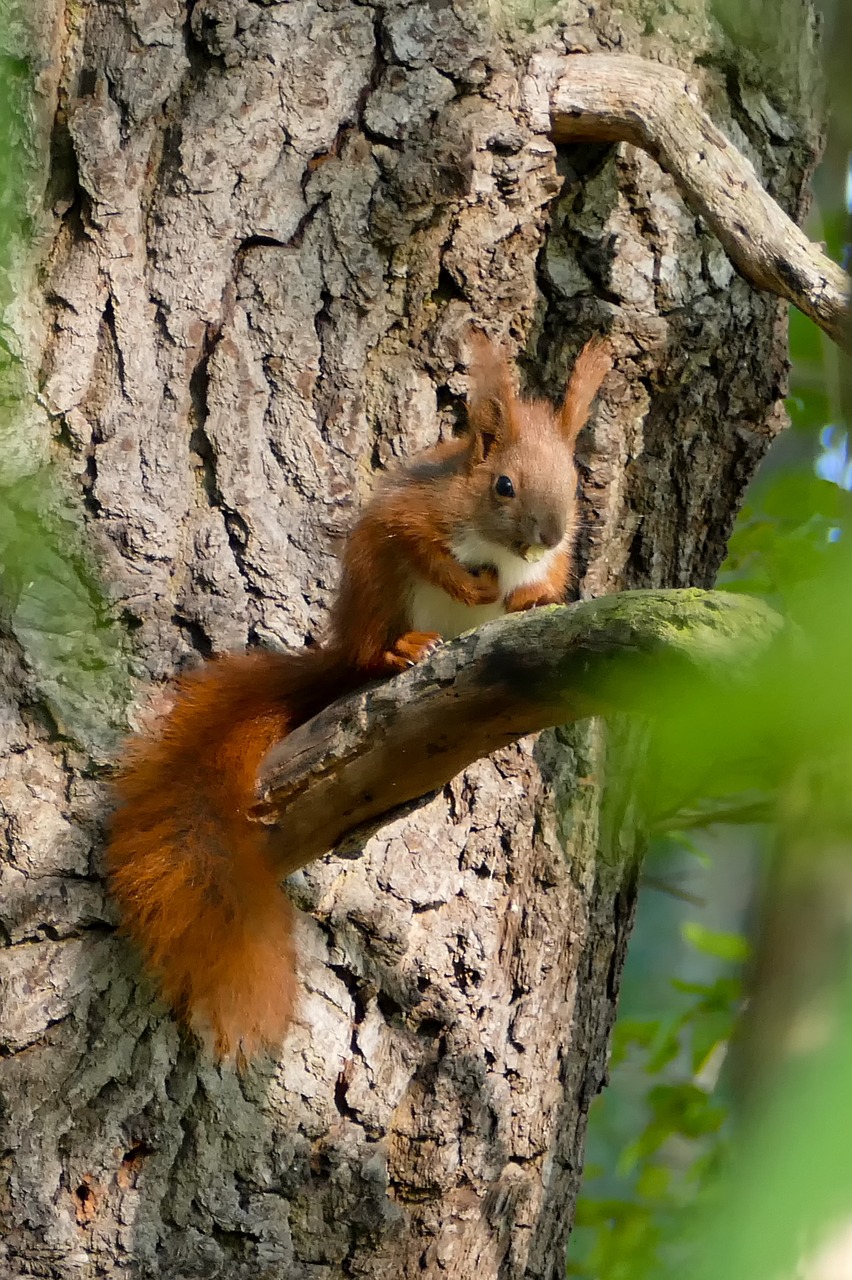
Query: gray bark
267,225
622,99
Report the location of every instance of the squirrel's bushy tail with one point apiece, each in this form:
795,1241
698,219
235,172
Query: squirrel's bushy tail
194,881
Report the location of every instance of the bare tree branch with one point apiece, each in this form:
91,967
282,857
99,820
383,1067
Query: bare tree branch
352,767
620,98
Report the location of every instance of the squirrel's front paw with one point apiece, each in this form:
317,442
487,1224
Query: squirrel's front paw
413,647
483,587
524,598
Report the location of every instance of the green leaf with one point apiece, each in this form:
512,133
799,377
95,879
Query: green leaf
725,946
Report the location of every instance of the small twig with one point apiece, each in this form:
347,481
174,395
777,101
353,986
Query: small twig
672,891
620,98
353,766
738,811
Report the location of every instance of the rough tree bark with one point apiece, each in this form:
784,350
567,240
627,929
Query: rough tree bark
267,224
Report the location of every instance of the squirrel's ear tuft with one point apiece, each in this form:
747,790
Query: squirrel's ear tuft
590,368
491,398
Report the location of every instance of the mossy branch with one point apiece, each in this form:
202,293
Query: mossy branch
357,764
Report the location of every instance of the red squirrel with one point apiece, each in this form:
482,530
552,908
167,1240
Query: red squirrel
473,528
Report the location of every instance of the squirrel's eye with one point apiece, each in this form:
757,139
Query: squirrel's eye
503,487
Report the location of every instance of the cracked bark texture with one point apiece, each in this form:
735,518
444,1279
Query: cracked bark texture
266,225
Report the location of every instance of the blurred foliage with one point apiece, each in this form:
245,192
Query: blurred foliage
50,598
659,1173
784,539
51,601
692,1176
682,1190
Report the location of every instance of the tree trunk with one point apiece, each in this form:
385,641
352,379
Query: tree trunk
268,224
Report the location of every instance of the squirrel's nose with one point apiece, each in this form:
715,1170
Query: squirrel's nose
547,535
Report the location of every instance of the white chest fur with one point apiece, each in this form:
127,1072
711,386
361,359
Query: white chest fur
432,609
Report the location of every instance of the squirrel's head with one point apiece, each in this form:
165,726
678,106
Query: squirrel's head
521,452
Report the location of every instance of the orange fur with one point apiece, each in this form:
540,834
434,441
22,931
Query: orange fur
193,877
590,368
